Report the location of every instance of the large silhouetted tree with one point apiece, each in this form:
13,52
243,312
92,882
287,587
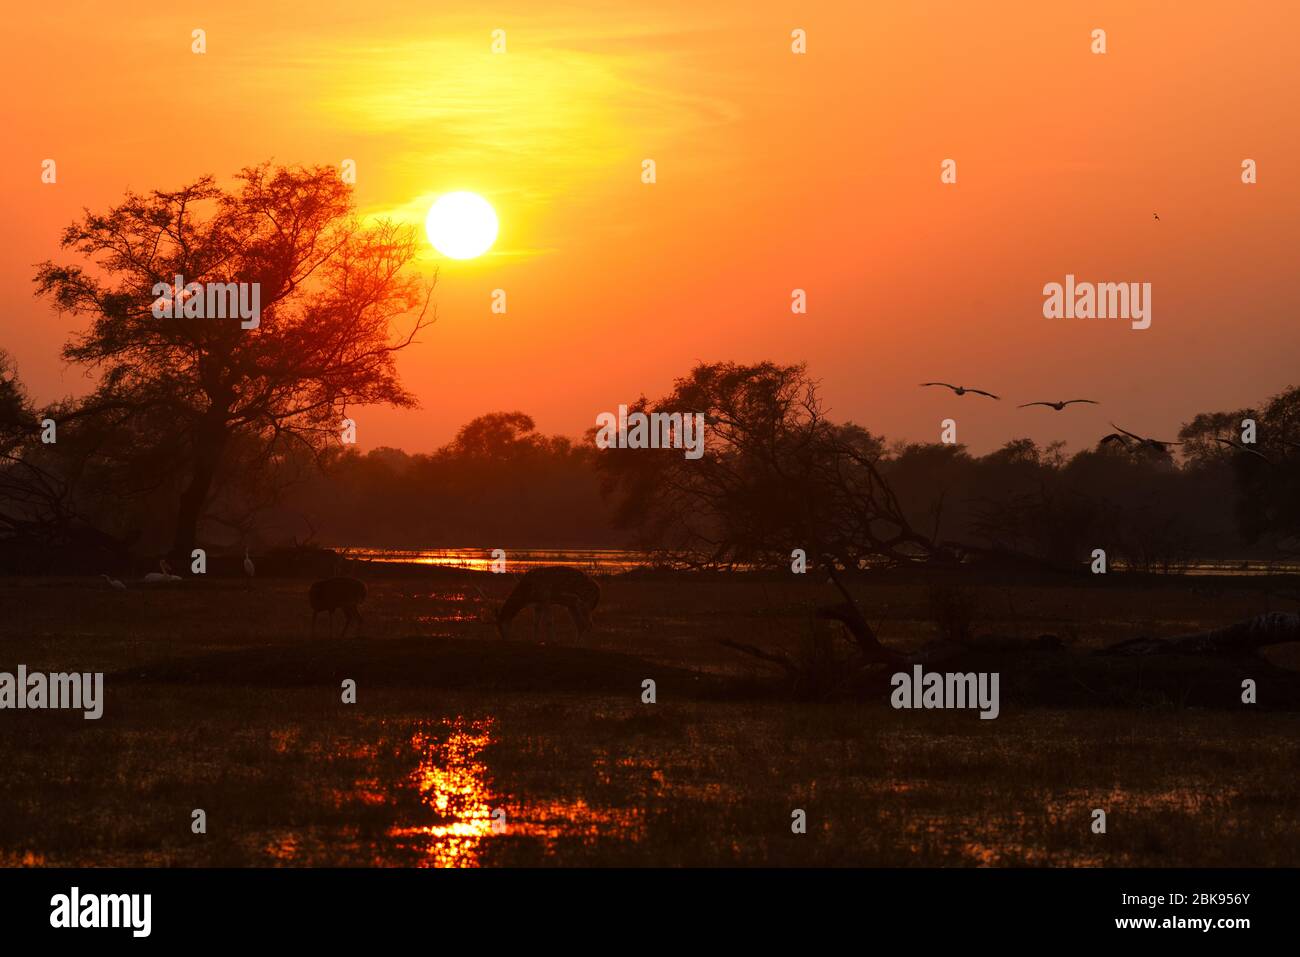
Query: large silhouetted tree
1268,483
199,397
776,475
20,484
16,417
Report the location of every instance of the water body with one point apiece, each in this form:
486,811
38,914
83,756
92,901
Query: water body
610,561
599,560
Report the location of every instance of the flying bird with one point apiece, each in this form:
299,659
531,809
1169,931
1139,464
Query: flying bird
1157,216
1242,448
960,389
1058,406
1144,442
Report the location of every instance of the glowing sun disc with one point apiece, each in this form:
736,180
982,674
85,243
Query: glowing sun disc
461,225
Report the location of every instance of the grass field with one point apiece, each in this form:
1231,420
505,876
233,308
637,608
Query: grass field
463,749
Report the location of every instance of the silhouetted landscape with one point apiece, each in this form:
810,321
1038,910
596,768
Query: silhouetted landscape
770,679
632,437
499,482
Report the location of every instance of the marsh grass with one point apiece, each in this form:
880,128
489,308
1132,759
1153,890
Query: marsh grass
218,700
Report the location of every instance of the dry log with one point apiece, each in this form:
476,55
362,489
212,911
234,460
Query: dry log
1237,640
754,651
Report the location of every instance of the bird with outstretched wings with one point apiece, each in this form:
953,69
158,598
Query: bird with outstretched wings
1058,406
960,389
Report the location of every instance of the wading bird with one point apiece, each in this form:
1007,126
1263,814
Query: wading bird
960,389
1058,406
554,585
113,583
163,576
334,594
250,571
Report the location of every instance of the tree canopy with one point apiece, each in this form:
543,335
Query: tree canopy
190,402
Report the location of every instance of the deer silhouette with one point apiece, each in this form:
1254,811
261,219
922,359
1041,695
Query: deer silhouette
333,594
547,586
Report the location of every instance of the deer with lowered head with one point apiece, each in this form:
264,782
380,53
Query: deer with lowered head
547,586
335,594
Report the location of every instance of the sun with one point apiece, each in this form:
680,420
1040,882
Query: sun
461,225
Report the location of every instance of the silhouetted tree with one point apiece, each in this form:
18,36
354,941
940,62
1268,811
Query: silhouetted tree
22,486
1200,437
497,435
16,416
199,399
1268,484
43,521
776,475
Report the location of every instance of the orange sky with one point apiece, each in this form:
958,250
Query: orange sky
775,171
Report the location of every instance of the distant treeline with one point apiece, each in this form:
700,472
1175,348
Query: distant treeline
777,476
501,482
1135,503
498,482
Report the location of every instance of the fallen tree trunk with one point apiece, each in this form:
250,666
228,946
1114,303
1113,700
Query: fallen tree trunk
850,615
1238,640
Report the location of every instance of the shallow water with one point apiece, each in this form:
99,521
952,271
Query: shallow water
602,560
614,560
448,810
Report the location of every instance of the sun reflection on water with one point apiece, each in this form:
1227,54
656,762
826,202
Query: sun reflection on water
452,781
454,787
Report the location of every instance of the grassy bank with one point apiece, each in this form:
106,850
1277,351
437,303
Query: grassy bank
463,749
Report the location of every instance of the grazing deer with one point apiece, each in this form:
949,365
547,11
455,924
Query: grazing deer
552,585
331,594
